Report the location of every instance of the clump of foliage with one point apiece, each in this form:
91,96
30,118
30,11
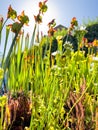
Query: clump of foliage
92,32
19,111
51,88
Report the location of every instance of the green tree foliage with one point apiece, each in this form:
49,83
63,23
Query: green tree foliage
92,32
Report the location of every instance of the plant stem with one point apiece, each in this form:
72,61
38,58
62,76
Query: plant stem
78,99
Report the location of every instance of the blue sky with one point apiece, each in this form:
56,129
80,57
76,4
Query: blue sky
61,10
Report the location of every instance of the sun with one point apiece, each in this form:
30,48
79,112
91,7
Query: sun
31,8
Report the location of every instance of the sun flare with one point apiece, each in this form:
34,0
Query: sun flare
31,9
